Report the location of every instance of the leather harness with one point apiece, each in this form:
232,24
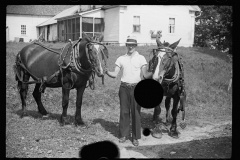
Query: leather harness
73,66
178,77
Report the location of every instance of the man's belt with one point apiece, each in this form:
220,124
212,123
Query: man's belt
128,85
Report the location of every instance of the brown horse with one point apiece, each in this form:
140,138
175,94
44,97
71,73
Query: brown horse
168,71
69,68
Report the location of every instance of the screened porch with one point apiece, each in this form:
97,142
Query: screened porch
72,28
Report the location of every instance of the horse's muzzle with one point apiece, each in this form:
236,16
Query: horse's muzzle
99,74
160,79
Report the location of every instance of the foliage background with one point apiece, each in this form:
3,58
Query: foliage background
214,28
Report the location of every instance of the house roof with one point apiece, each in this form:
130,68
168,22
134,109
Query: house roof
44,10
82,13
67,12
75,9
78,14
194,8
191,7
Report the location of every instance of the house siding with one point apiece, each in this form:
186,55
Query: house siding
111,30
156,18
14,23
50,35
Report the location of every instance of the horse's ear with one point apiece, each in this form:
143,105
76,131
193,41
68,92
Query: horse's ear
101,38
175,44
158,42
86,36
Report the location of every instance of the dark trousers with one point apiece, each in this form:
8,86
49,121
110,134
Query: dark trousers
127,103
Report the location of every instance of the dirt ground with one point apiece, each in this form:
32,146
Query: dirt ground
37,137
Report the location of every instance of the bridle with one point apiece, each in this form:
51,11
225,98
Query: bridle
76,65
156,59
91,61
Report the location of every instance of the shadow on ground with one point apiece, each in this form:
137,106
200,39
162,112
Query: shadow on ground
111,127
220,147
37,115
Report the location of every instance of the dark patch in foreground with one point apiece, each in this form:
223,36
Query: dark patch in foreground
148,93
220,147
95,151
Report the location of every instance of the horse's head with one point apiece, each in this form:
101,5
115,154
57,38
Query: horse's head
163,59
95,50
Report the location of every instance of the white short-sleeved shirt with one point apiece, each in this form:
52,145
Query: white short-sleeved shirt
131,66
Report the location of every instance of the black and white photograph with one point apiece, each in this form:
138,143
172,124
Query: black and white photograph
119,81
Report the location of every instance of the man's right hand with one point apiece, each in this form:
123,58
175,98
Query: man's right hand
105,70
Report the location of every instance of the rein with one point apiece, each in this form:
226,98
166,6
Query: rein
77,64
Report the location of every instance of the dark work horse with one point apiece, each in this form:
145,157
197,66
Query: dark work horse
168,71
69,68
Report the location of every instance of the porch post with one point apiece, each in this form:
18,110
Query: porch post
93,25
80,26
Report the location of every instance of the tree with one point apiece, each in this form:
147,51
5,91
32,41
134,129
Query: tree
214,28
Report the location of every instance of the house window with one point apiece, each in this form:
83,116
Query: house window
98,26
87,26
171,25
136,24
23,29
89,23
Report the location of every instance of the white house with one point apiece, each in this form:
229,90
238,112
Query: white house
21,20
116,22
175,21
119,21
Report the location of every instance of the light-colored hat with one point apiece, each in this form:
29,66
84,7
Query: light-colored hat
131,40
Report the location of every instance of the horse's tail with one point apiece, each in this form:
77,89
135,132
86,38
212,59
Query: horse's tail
17,68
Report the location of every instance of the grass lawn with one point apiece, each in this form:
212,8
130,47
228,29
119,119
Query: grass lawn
207,74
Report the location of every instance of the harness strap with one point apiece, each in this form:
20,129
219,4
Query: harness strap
45,47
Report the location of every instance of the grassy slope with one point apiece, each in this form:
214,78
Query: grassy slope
207,74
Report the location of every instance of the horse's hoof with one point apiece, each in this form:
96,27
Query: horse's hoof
174,134
156,120
63,121
23,115
79,123
45,116
183,124
43,113
157,133
168,123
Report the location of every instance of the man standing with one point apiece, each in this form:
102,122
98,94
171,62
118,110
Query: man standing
133,65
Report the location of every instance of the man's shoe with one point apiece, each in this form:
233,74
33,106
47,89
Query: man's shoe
135,142
122,140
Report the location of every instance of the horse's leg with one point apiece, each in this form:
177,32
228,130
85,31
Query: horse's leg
65,101
173,129
78,118
157,131
167,106
156,113
182,107
23,89
37,97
